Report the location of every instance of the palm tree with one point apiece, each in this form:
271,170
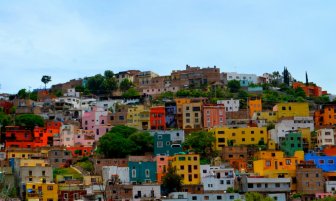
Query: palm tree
45,79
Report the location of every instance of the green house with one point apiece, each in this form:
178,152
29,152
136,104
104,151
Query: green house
291,143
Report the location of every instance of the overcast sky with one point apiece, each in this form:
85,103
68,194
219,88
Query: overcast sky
73,39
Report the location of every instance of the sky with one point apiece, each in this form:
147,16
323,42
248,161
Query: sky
78,38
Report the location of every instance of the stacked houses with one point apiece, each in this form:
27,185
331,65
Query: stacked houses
286,151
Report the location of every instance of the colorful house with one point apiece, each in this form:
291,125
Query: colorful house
163,145
96,120
80,151
326,115
138,117
20,137
158,118
213,115
326,163
254,106
310,89
142,172
42,191
188,166
161,167
192,115
274,164
291,143
265,118
239,136
291,109
171,121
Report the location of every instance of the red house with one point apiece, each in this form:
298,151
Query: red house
17,136
158,118
80,151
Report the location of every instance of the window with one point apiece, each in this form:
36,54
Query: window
147,173
321,161
159,144
268,163
30,173
231,197
195,167
133,172
194,197
243,139
250,185
228,182
65,195
182,167
258,185
219,197
221,181
288,161
43,173
50,188
277,185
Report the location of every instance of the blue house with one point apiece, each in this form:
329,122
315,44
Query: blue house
171,115
142,172
163,145
326,163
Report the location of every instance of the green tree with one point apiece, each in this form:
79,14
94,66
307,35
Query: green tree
95,84
121,141
33,95
29,120
131,92
125,84
79,88
254,196
171,182
46,79
285,75
114,145
5,120
110,83
183,93
201,142
143,142
299,92
22,94
234,86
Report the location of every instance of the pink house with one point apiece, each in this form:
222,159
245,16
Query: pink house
96,120
213,115
161,167
71,136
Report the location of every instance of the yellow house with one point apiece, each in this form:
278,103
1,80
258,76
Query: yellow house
42,191
34,162
90,180
138,117
188,166
27,153
274,164
269,117
291,109
192,115
239,136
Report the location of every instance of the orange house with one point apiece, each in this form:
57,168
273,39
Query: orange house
44,136
310,90
158,118
325,116
254,106
162,167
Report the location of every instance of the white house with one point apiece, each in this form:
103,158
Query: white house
217,178
231,105
122,172
291,124
325,136
146,191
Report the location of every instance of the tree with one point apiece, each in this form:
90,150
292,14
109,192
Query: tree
95,83
29,120
143,142
22,94
234,86
299,92
201,142
307,83
110,82
46,79
285,75
33,95
254,196
131,92
171,182
121,141
125,84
